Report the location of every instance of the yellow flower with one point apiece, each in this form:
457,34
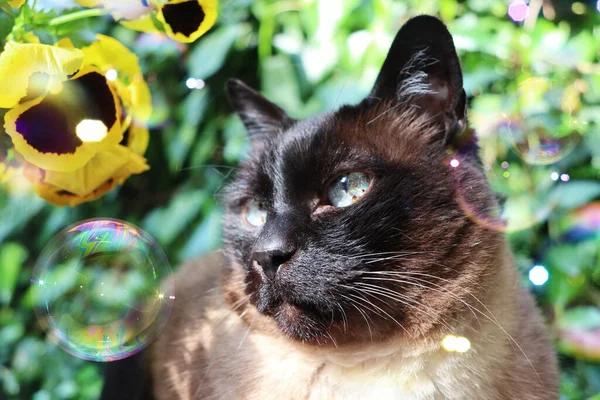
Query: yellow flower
77,117
182,20
16,3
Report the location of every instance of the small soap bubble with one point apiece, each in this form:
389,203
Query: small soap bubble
100,289
535,132
514,210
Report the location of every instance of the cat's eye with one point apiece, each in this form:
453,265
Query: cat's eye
254,213
348,189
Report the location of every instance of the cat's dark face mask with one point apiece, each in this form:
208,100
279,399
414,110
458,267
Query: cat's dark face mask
347,225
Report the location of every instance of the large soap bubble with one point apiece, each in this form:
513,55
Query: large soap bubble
100,289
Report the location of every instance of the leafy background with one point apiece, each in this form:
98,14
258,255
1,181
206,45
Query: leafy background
311,56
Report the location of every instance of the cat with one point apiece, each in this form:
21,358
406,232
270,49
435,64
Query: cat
349,266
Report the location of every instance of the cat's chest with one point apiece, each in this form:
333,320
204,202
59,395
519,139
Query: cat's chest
289,374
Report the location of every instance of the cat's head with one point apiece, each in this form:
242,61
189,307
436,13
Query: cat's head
347,225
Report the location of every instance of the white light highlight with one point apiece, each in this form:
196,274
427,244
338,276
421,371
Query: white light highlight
454,163
91,130
554,176
565,178
41,282
457,344
538,275
112,74
193,83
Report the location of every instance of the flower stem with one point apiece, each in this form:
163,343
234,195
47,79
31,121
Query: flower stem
7,9
63,19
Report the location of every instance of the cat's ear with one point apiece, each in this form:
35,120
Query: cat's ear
261,117
422,68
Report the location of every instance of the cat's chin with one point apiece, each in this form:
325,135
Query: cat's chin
301,322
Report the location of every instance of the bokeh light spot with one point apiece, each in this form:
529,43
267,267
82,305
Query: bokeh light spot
112,74
554,176
565,177
518,10
538,275
193,83
122,270
454,163
91,130
578,8
457,344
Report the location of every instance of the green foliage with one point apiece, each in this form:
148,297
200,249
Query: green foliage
311,56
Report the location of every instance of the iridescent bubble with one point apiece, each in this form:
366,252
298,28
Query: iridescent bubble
100,289
518,209
542,129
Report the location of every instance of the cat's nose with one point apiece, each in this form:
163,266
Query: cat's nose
271,259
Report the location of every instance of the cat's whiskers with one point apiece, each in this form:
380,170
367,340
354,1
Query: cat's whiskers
388,293
377,307
398,253
344,317
361,312
446,290
247,331
493,319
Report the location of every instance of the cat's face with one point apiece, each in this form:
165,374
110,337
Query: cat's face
347,225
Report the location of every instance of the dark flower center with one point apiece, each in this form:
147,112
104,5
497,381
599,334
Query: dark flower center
50,127
184,18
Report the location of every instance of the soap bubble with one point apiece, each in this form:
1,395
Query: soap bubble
99,287
518,209
544,126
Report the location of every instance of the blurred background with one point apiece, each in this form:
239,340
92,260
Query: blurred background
532,74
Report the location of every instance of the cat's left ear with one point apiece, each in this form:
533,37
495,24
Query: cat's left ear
261,117
422,69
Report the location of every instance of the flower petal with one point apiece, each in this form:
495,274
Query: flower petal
107,54
63,131
100,175
120,9
18,62
16,3
187,20
136,138
142,24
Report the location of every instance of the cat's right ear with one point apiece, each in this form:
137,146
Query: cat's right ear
262,118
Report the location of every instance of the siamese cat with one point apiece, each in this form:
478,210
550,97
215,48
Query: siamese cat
350,270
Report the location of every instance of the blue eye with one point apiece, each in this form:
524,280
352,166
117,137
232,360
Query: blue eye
254,213
348,189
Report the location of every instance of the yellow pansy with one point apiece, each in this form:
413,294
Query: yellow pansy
78,117
187,20
182,20
52,131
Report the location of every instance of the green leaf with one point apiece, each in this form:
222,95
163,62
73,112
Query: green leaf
205,238
9,381
582,317
573,194
210,54
179,146
17,211
165,224
12,256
